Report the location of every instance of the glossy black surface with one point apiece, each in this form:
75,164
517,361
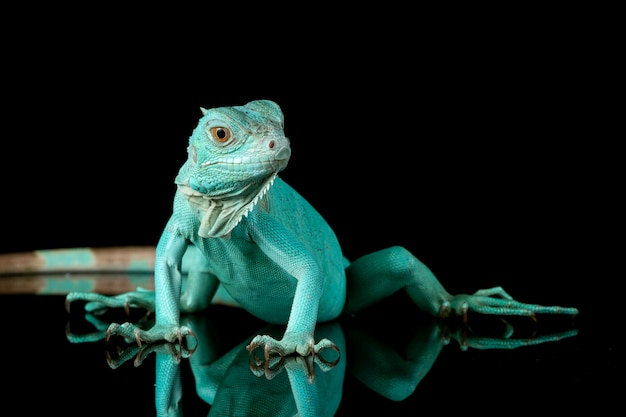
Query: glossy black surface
482,147
44,371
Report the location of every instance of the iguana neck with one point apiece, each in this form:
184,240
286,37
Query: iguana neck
221,213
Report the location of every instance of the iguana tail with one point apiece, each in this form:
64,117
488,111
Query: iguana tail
107,270
129,259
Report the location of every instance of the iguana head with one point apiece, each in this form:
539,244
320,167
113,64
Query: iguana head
234,155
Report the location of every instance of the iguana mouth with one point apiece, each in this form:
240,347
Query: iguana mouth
226,176
277,160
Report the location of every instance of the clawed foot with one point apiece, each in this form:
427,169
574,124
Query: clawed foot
170,333
98,303
287,346
132,333
286,353
139,353
98,306
274,366
496,301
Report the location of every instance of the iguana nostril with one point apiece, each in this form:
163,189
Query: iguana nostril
271,144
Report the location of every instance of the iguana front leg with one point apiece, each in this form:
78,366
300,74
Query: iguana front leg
289,254
167,285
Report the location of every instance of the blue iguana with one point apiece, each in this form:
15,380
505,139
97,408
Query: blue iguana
250,238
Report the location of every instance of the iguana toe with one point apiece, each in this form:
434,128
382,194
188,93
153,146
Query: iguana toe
490,292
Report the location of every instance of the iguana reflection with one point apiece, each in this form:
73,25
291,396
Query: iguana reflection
242,383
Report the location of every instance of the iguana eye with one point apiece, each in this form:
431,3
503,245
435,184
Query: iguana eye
220,134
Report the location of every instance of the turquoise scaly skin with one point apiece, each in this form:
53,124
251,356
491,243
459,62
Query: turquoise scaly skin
266,249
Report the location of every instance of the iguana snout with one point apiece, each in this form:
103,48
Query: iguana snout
282,155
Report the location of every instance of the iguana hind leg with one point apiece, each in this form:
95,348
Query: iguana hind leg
380,274
198,291
97,303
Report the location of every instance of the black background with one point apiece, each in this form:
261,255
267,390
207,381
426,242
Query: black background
483,146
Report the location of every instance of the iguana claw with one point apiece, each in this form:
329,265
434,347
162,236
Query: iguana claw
445,310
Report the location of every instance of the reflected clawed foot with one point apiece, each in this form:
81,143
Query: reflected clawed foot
139,353
280,354
467,339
